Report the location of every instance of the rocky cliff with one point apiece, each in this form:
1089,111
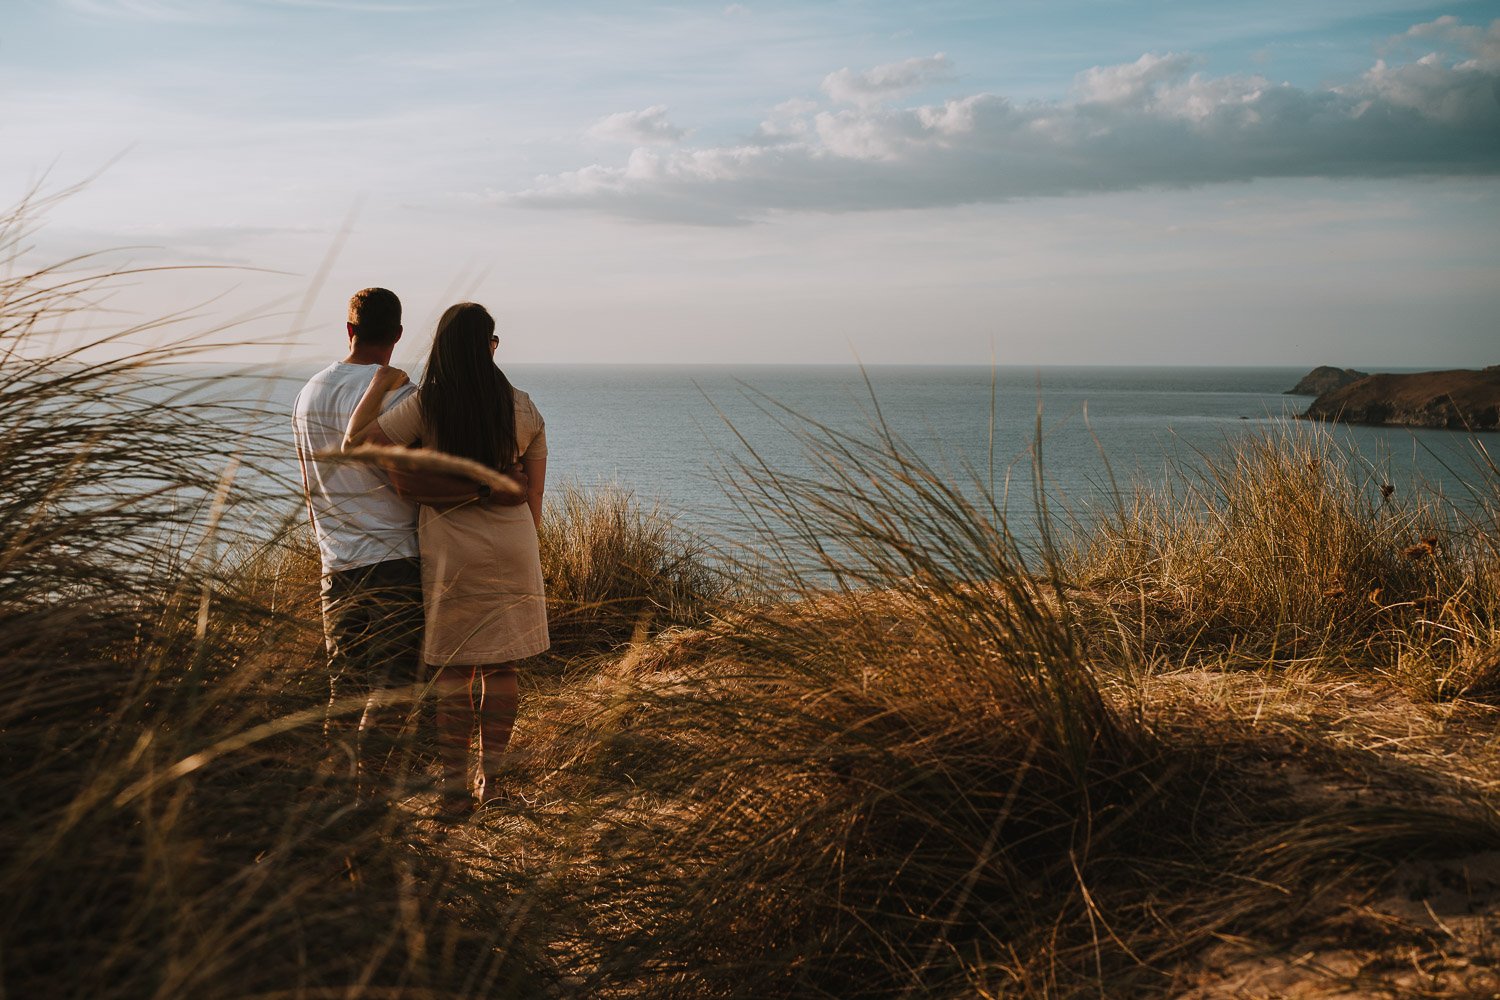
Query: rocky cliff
1325,378
1462,399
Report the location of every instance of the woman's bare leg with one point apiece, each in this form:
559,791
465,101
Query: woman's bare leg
453,689
499,698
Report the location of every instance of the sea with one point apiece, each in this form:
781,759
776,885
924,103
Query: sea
674,436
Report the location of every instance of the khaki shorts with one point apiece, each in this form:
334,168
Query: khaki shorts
372,625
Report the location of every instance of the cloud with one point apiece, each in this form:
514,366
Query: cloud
151,10
1130,82
1149,123
874,85
647,126
212,10
789,120
1483,44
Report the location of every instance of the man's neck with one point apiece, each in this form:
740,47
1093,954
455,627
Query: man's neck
365,354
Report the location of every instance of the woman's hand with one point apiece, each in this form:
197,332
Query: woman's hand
364,425
389,378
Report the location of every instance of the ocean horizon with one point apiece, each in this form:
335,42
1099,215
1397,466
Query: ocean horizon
672,434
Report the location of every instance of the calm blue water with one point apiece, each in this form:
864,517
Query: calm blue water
666,432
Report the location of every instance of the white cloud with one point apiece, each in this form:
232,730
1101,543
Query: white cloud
210,10
1143,124
648,125
788,121
151,10
1432,89
871,86
1130,82
1481,43
736,10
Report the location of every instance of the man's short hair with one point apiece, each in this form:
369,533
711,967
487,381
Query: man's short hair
375,314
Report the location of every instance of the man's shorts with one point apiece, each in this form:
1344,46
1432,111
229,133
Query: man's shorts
372,625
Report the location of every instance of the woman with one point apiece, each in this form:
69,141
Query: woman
481,572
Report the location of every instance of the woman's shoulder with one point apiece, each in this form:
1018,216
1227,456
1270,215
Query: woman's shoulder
407,400
523,399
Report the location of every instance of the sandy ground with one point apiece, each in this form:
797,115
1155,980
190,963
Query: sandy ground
1428,928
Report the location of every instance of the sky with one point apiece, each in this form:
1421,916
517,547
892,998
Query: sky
884,181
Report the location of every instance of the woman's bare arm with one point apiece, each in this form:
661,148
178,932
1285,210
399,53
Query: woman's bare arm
536,477
363,423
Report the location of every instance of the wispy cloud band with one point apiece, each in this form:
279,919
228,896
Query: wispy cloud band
215,10
872,86
649,125
1153,122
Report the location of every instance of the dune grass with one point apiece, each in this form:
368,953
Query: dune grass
1242,722
130,647
927,768
1286,550
617,570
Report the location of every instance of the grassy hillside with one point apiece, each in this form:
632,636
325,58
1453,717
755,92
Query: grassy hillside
1237,741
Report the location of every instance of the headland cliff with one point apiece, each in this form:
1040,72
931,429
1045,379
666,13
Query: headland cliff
1459,399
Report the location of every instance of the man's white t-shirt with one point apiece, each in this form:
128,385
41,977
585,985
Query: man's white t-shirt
357,516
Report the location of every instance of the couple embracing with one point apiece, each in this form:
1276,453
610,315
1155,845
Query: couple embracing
448,575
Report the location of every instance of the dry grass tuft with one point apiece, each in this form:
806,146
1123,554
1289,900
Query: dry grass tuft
616,571
425,460
1283,550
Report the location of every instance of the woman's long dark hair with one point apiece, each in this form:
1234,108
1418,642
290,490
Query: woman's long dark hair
467,403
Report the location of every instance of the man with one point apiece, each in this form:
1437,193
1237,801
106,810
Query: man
367,540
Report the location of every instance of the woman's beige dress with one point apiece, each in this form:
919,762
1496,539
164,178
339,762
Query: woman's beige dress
481,572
